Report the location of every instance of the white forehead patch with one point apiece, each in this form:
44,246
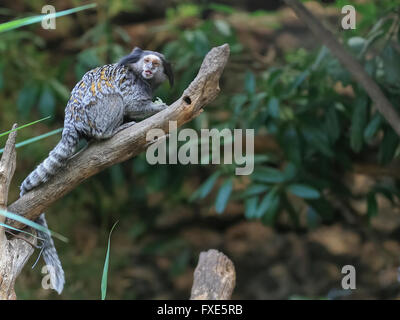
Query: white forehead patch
153,58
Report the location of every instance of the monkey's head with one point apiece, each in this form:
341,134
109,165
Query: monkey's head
150,65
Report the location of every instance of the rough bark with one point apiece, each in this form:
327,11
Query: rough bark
13,253
127,143
214,277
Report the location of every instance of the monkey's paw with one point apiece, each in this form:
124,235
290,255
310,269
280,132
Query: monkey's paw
158,101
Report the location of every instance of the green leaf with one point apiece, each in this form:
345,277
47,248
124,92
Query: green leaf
35,19
223,196
358,123
356,44
373,127
304,191
104,278
223,27
47,102
60,89
250,82
316,138
369,41
332,124
269,175
250,207
238,102
260,158
201,42
267,202
323,208
298,81
269,206
254,190
290,171
273,77
206,187
273,107
291,144
313,219
323,52
27,97
16,217
388,146
87,59
391,65
221,8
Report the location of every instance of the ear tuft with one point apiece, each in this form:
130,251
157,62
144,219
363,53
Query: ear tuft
133,57
137,50
168,71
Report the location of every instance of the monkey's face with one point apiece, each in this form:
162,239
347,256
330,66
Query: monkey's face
151,66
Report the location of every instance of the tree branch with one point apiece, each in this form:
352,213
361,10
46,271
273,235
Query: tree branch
7,169
351,63
13,253
127,143
214,277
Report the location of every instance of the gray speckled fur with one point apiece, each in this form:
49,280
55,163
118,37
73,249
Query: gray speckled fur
98,105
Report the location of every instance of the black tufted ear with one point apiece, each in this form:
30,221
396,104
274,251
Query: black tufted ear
133,57
168,71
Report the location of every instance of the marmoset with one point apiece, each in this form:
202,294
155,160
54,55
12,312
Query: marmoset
97,108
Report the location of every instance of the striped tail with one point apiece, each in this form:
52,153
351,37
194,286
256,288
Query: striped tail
51,258
56,159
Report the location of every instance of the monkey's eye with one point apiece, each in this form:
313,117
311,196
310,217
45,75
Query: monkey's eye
156,64
147,60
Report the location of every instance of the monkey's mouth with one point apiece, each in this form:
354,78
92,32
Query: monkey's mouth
147,73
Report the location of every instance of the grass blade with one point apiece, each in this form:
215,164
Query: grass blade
32,224
23,231
105,269
24,126
30,20
34,139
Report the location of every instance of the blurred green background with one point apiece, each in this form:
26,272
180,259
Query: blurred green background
325,190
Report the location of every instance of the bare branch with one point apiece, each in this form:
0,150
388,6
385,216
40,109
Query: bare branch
214,277
7,166
13,253
351,63
127,143
7,169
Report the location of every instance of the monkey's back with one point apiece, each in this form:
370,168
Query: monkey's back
96,86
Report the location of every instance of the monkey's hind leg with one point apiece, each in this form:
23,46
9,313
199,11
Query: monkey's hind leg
107,116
